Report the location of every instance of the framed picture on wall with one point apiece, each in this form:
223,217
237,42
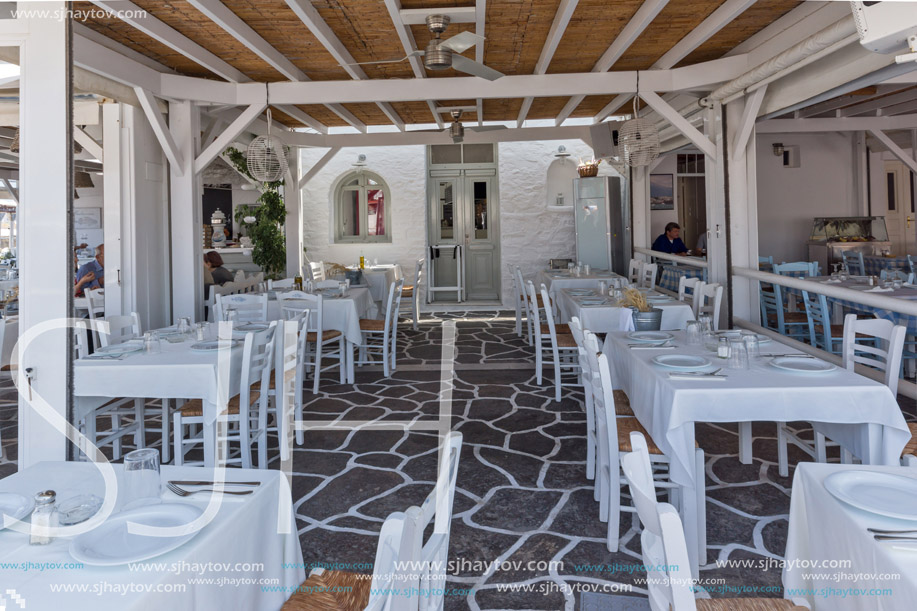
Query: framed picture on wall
87,218
662,192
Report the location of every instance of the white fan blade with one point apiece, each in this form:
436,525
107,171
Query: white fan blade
462,42
463,64
485,128
385,61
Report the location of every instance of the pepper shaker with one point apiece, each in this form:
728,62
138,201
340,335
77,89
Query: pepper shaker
44,517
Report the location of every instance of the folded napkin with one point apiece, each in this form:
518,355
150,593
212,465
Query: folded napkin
682,376
878,289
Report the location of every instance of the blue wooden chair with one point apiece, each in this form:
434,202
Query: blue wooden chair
765,262
774,315
854,262
895,274
798,269
912,264
822,334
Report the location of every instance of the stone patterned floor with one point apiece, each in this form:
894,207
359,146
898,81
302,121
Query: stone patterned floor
522,493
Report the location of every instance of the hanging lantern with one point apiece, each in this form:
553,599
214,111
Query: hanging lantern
75,194
639,139
267,156
14,145
82,180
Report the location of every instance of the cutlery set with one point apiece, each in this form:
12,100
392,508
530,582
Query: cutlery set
893,536
173,486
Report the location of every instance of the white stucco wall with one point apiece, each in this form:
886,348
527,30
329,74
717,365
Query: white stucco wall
531,232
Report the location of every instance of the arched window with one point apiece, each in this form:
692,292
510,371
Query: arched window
362,208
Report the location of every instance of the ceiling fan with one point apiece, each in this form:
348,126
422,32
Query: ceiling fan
457,130
442,54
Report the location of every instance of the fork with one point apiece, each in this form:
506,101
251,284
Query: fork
894,538
879,531
182,492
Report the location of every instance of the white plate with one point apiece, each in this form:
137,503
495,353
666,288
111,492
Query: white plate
15,506
885,494
801,364
682,362
125,348
649,336
253,326
111,545
581,291
211,345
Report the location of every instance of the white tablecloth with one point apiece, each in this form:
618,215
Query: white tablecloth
339,313
861,411
824,530
175,373
379,277
555,280
605,318
242,532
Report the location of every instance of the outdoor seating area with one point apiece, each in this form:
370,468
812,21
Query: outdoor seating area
403,305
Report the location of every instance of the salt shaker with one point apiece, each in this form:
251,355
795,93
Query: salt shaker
44,517
722,348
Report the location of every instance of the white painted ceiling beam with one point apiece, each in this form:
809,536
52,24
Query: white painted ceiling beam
241,174
222,141
879,103
86,32
303,117
458,14
101,60
313,20
88,142
480,22
830,105
747,122
154,28
161,129
555,34
216,124
318,165
347,116
845,124
896,150
898,109
671,115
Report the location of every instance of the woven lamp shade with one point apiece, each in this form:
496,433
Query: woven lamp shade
75,194
640,141
267,158
14,145
82,180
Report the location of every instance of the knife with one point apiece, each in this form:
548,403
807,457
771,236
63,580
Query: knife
185,483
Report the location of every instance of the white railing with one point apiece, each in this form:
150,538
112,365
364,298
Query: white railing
875,300
692,261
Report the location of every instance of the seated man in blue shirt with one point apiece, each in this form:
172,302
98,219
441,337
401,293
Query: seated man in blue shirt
670,242
93,272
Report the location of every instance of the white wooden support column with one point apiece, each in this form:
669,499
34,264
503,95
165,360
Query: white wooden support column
860,178
716,201
45,256
187,225
640,198
115,172
292,200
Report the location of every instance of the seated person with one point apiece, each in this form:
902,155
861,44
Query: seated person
213,263
701,246
92,274
670,242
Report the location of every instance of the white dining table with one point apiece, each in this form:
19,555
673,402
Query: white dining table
602,318
863,412
556,279
378,279
241,543
177,372
823,530
339,313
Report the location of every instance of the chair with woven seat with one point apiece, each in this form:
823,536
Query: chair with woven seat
118,329
245,412
854,262
775,316
248,307
317,271
684,284
317,337
560,347
822,334
648,273
891,275
873,342
284,283
614,439
379,335
665,551
765,262
518,297
410,295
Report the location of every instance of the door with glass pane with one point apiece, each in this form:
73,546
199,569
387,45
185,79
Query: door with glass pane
482,264
899,216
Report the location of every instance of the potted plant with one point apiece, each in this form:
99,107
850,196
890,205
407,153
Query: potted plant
646,317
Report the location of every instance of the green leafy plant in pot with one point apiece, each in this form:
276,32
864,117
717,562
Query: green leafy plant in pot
263,222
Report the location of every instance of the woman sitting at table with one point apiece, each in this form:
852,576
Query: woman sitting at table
670,242
213,263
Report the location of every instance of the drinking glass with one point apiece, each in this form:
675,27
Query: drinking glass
603,287
151,343
694,333
184,325
896,283
738,355
710,340
752,346
706,322
342,286
200,331
586,269
231,315
570,266
140,479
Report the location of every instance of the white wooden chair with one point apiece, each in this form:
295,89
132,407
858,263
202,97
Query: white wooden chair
518,297
647,278
694,284
284,390
248,307
873,342
633,271
118,329
709,300
317,271
665,552
95,305
613,437
410,295
523,297
245,412
554,340
379,335
319,341
284,283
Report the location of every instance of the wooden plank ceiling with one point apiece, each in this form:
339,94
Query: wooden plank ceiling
516,32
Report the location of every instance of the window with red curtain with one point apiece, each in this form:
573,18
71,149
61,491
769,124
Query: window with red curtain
375,207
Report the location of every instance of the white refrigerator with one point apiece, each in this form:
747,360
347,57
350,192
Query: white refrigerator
603,225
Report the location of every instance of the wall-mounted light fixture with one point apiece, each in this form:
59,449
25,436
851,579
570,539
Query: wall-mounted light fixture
360,163
778,149
561,152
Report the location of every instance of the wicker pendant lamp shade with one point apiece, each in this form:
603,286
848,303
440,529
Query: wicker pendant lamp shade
82,180
14,145
267,156
639,139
